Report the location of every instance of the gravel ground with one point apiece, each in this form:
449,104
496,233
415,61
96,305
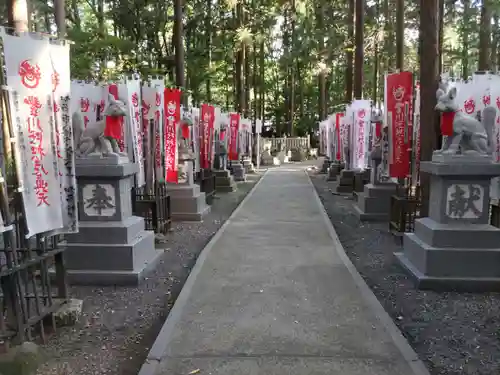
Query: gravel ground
453,333
120,324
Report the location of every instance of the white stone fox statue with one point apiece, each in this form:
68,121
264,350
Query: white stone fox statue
91,139
470,136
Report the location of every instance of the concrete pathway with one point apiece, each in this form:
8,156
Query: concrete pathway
274,293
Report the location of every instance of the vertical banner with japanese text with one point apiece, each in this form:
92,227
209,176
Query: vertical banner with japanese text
399,103
338,143
206,127
153,112
61,87
172,103
234,125
130,92
159,128
211,134
29,75
361,132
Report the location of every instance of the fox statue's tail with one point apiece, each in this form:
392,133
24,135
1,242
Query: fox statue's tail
488,121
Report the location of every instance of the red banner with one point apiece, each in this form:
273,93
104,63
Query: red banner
399,88
114,125
206,129
172,110
234,124
338,117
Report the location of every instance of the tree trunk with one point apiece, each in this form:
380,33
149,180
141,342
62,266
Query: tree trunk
465,39
359,55
485,37
17,15
60,16
349,52
321,55
429,55
208,40
400,34
179,49
240,63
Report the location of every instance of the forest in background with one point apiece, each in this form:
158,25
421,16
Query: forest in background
289,62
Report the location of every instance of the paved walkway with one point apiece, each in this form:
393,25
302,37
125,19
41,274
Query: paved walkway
274,293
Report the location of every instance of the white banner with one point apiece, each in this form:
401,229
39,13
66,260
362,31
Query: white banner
361,112
59,55
195,117
152,97
29,75
85,97
130,93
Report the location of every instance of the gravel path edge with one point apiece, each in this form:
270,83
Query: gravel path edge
156,352
411,357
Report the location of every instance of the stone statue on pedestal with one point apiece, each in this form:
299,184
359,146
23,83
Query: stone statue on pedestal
112,247
91,140
470,136
455,247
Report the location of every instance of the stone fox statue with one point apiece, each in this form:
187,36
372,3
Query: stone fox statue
91,139
470,136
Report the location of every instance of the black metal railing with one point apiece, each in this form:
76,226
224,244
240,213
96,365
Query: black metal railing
153,204
206,179
495,213
28,297
405,208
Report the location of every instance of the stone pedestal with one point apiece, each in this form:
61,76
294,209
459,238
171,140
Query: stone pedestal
224,182
248,165
268,159
112,247
345,181
334,171
374,203
455,247
325,165
238,171
187,202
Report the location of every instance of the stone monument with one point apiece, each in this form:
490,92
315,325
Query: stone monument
112,247
455,248
224,182
374,203
188,203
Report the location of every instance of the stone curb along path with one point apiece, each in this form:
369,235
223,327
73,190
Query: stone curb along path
401,343
157,351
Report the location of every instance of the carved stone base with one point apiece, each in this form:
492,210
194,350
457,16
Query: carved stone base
455,247
345,181
248,165
374,203
111,253
238,171
187,202
334,171
224,182
112,247
325,165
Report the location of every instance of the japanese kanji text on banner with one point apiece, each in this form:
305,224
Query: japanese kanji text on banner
399,88
234,124
172,102
29,75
